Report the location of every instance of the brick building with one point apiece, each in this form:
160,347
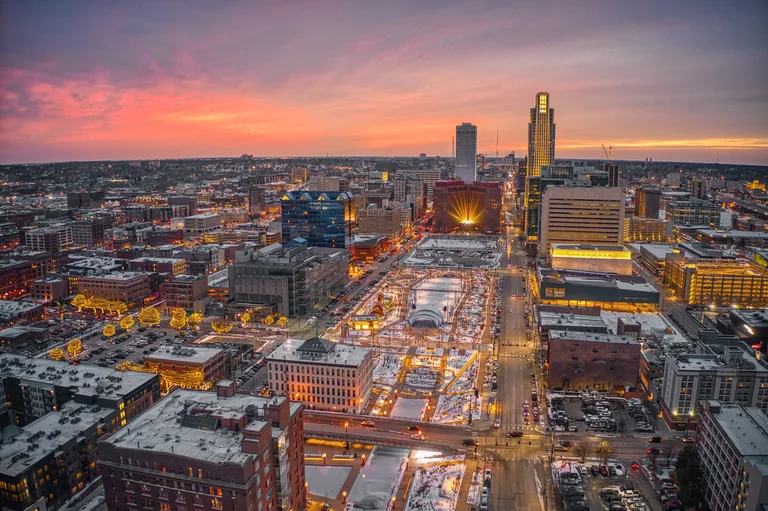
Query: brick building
130,288
208,451
189,292
580,360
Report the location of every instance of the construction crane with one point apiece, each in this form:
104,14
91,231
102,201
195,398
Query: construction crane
608,153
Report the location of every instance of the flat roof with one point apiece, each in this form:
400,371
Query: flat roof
170,260
732,234
12,307
340,355
586,247
45,435
184,354
593,337
97,263
158,428
88,379
745,427
658,251
120,275
753,318
19,330
552,319
201,216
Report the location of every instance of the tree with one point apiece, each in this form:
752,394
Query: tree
222,326
282,322
79,301
194,319
581,450
149,316
689,475
126,323
653,455
668,456
179,319
269,320
109,330
603,452
74,347
56,354
245,318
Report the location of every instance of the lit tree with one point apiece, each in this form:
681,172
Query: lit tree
282,322
109,330
603,452
79,301
194,319
126,323
149,316
245,318
222,326
269,320
179,319
56,354
74,347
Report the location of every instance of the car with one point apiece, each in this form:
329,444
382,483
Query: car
619,469
525,404
515,434
604,471
667,484
635,465
488,473
414,428
417,436
566,443
573,428
367,424
688,440
470,441
497,424
654,440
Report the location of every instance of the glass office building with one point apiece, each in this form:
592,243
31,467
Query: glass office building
324,219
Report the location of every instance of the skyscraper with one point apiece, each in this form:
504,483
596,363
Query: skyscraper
466,152
541,151
647,202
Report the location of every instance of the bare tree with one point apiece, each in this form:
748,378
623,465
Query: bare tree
668,456
581,450
653,455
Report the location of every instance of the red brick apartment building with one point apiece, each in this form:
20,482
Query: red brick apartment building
208,451
582,360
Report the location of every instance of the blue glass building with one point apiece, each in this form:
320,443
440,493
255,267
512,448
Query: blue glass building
324,219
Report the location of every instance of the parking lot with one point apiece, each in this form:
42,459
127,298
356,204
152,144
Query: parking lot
582,412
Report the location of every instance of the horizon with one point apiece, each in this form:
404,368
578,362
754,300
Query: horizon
85,81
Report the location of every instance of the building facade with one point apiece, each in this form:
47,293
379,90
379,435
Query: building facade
720,283
189,368
693,212
594,258
323,375
732,443
293,277
88,233
323,219
646,230
576,215
49,239
188,292
200,224
475,206
391,221
541,151
582,361
229,452
647,202
130,288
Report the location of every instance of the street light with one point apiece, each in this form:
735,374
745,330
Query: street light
346,433
688,423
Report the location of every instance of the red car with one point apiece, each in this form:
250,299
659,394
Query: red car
635,465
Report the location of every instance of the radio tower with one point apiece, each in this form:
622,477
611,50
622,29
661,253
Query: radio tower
497,144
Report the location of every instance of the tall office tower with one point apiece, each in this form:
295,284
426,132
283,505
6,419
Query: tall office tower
257,200
324,219
698,189
581,215
466,152
541,151
613,174
647,201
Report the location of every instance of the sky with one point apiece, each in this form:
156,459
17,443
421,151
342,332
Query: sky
683,80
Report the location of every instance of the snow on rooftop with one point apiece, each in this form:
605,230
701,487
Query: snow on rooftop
458,243
184,354
89,379
550,319
44,436
158,428
649,324
595,337
341,354
746,427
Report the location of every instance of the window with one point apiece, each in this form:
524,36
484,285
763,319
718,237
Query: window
217,504
164,506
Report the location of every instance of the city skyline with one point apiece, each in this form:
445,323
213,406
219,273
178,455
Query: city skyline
681,82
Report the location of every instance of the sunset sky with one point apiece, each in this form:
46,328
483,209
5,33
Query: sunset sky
683,80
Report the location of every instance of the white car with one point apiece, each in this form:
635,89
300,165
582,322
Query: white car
487,473
619,469
497,424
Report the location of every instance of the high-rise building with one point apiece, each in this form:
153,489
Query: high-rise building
323,219
49,239
588,215
733,447
647,202
466,152
541,151
613,174
693,212
182,200
428,176
390,221
699,189
257,200
474,206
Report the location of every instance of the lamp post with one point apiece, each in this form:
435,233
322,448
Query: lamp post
344,496
346,434
688,422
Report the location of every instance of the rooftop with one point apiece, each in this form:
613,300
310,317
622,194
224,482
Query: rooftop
745,427
658,251
320,351
202,216
164,428
592,337
168,260
88,380
184,354
753,318
96,263
121,275
714,233
552,319
23,447
10,307
590,248
18,331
